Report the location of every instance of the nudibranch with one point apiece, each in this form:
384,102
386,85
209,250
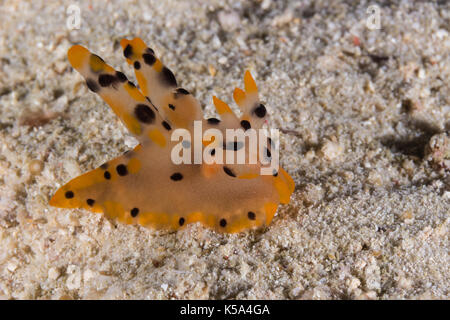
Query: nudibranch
144,186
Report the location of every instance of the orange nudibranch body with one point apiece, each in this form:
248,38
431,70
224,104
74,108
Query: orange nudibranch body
144,186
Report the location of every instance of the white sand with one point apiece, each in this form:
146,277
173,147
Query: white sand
370,215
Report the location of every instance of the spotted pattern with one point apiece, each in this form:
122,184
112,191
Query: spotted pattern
182,91
229,172
121,76
245,124
69,194
98,58
149,59
128,51
134,212
92,85
168,78
260,111
122,170
176,176
213,121
136,111
105,80
166,125
144,113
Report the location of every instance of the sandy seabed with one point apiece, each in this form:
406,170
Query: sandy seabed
365,118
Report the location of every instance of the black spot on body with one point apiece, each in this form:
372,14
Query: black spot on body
69,194
121,170
137,65
168,78
131,84
182,91
213,121
171,106
181,221
268,153
134,212
251,215
107,175
166,125
121,76
260,111
245,124
150,50
128,51
144,113
106,80
223,223
149,59
229,172
213,152
275,173
90,202
92,85
176,176
98,57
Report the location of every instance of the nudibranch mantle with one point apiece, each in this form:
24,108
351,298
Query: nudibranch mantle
144,186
